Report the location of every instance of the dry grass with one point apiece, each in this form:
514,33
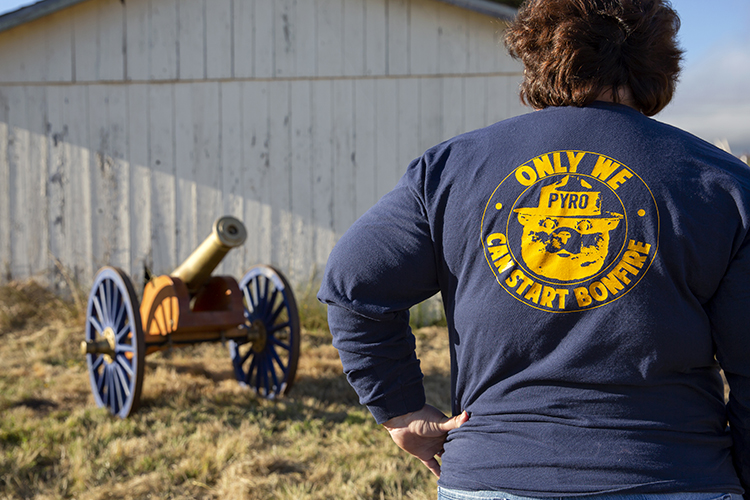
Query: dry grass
197,433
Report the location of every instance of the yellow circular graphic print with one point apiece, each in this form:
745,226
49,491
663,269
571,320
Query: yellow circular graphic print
570,230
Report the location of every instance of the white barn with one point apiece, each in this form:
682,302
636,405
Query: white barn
128,126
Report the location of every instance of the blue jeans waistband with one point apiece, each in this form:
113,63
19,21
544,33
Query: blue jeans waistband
448,494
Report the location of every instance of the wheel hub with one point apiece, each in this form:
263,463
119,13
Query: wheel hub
104,345
261,336
109,336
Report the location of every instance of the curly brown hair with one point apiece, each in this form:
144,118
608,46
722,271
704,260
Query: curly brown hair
574,50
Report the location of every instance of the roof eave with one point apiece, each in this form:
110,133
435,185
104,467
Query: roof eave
486,7
33,12
46,7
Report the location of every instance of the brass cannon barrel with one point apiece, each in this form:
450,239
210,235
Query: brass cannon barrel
227,233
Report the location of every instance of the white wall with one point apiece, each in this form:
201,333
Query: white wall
126,129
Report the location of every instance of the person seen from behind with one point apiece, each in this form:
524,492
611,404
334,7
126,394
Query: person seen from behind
594,267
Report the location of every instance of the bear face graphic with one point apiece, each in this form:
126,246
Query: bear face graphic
566,237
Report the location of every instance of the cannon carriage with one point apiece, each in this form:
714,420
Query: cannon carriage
257,317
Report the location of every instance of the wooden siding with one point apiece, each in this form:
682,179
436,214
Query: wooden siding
127,128
147,40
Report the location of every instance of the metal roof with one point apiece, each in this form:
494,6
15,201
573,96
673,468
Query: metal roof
47,7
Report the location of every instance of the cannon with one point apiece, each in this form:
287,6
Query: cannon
256,317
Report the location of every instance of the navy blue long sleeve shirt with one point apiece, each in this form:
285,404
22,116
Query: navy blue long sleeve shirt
594,266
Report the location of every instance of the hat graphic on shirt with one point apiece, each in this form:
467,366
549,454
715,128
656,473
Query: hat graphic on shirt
566,236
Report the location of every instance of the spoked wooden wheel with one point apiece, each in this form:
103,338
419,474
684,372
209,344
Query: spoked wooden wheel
114,343
267,361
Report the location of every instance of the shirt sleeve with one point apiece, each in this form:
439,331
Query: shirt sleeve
384,264
729,311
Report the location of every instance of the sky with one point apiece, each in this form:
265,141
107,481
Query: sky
712,99
713,95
